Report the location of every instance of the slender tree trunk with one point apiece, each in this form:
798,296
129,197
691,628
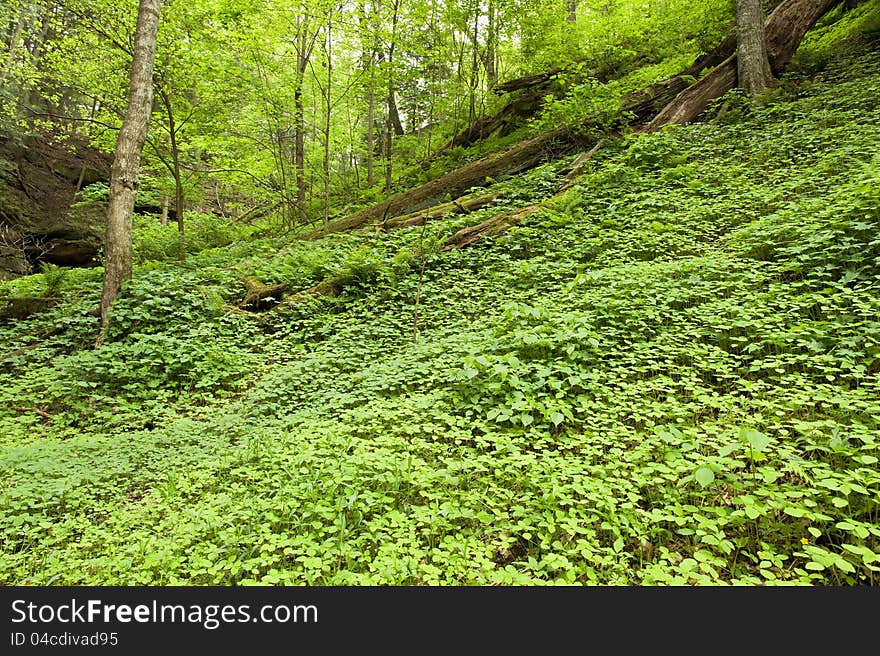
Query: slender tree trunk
179,202
327,108
14,42
472,85
392,121
571,7
163,219
753,67
299,153
304,49
129,143
491,47
371,127
367,53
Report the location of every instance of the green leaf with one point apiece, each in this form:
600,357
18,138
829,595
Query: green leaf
756,440
704,476
727,450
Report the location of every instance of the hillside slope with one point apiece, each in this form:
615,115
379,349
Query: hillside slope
671,376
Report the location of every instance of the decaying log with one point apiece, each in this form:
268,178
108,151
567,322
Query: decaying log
576,168
523,156
501,222
692,102
457,206
490,227
327,288
260,296
526,81
24,306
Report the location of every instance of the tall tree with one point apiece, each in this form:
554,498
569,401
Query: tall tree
126,159
753,67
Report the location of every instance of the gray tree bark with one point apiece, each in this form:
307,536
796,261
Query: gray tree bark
129,143
753,66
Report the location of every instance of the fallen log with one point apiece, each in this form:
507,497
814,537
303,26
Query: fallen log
328,287
525,82
21,307
259,296
457,206
637,106
573,171
498,224
523,156
692,102
521,106
490,227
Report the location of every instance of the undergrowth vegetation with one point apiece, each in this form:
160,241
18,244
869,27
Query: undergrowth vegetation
669,376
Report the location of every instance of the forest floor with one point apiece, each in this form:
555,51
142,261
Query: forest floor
667,376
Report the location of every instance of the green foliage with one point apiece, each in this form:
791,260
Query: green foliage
155,242
669,376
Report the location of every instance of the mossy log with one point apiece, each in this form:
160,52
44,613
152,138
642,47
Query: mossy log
327,288
24,306
457,206
523,156
490,227
516,159
260,296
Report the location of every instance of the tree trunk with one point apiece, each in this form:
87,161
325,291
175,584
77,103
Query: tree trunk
491,47
14,42
163,219
784,30
753,67
571,7
303,54
299,153
371,127
129,143
327,107
472,86
392,122
179,202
